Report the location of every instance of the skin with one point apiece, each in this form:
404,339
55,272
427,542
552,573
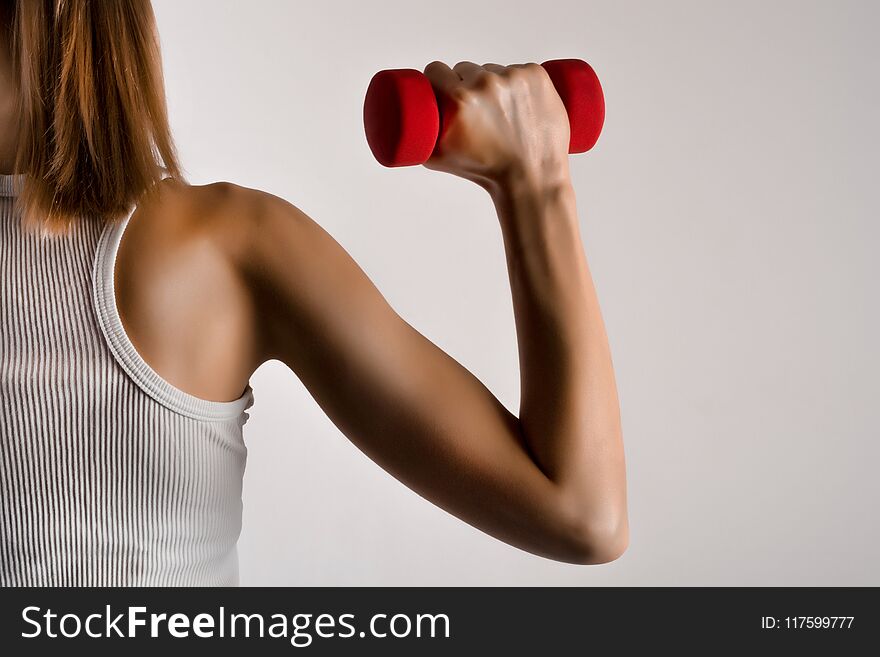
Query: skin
214,280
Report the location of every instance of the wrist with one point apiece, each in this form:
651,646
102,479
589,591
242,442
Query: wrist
529,197
525,183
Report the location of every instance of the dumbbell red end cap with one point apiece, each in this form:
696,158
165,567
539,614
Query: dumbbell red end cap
401,118
578,85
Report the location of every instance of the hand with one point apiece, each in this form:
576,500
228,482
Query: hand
500,124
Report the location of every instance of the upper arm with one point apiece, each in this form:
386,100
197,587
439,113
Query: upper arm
400,399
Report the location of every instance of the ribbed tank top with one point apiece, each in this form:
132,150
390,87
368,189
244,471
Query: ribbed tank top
109,475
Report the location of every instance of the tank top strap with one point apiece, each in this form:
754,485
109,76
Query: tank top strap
123,350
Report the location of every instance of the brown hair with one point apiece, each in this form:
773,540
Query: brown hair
94,132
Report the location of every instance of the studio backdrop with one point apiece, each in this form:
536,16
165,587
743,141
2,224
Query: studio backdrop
730,214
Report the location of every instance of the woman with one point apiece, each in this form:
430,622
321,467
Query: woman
134,309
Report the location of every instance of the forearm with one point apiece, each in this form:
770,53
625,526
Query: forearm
569,413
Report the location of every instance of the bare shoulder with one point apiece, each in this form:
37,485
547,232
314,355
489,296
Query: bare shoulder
175,211
181,290
239,222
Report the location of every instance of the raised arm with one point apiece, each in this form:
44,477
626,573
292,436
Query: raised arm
551,481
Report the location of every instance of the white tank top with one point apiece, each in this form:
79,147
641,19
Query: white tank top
109,475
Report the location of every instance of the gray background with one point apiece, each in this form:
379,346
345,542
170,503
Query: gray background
730,215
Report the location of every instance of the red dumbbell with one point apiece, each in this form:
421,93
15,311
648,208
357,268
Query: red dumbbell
402,118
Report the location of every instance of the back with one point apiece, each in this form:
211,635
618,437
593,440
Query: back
109,475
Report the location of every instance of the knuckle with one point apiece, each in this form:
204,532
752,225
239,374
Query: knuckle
535,72
461,95
490,79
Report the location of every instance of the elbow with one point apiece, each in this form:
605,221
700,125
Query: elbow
600,547
592,540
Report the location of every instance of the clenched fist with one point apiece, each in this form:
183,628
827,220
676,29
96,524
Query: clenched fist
499,123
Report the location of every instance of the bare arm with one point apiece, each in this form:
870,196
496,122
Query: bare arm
551,481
